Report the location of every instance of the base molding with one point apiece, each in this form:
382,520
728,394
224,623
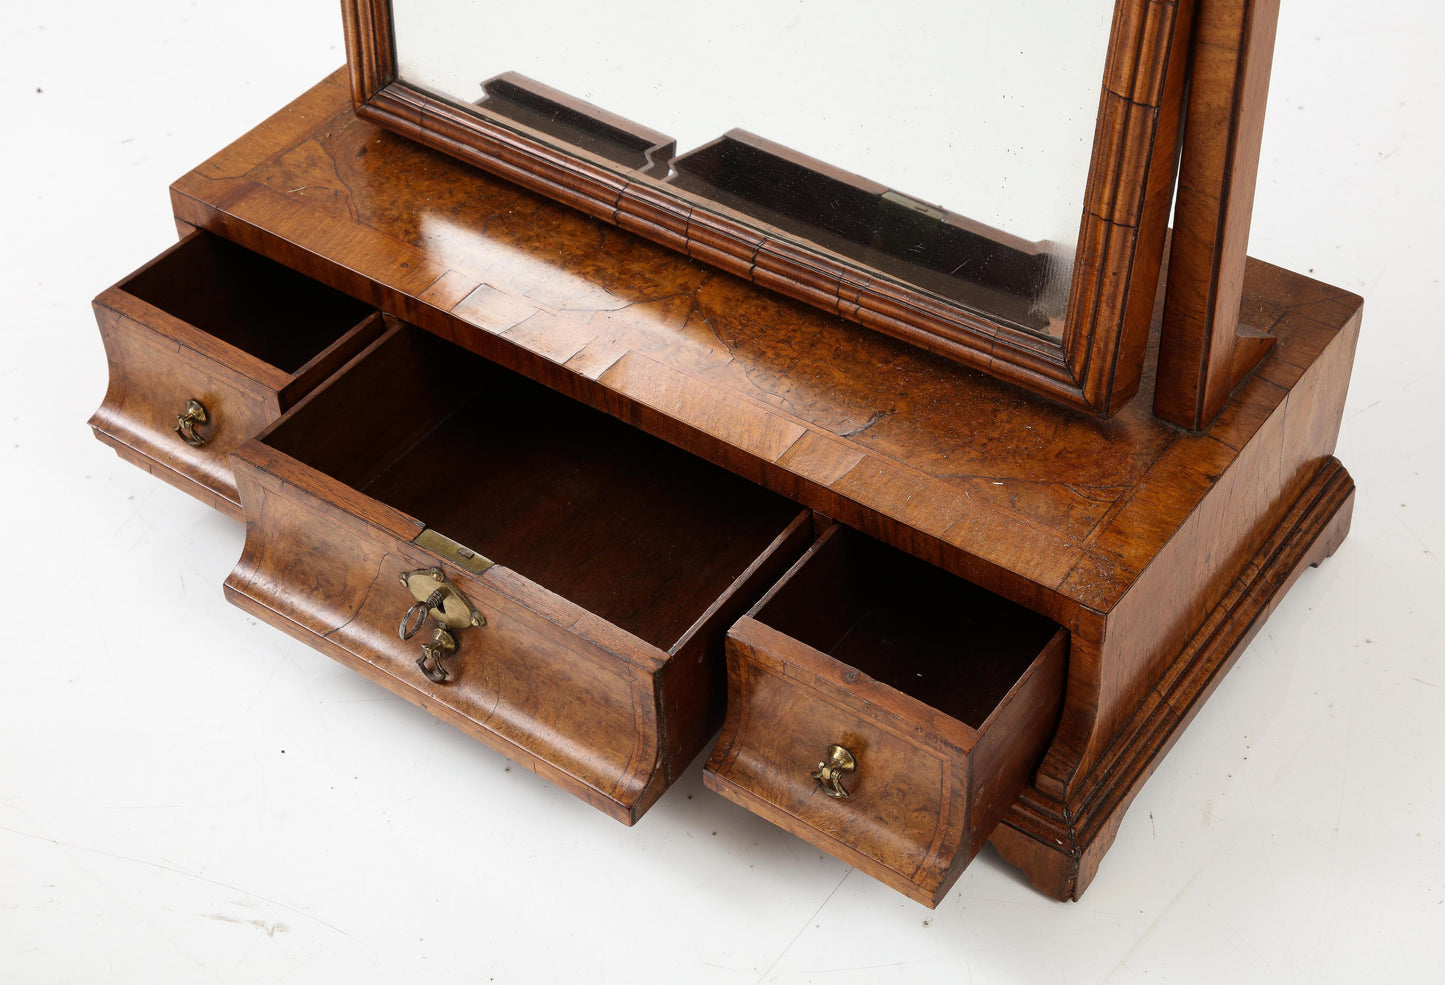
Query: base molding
1059,845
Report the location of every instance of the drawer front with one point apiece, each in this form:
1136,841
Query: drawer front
924,794
904,795
153,379
539,683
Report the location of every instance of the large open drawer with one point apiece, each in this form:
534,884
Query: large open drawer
620,560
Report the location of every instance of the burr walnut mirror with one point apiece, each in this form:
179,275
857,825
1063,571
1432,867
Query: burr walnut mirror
988,181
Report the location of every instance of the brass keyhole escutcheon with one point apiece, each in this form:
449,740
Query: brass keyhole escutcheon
186,421
441,600
829,774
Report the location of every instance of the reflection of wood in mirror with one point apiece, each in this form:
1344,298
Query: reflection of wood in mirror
582,125
984,269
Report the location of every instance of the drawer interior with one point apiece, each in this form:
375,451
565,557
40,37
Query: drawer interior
914,627
281,317
621,523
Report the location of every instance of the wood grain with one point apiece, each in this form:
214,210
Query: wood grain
1204,350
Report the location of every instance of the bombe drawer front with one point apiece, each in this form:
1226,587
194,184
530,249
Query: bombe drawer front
208,344
886,711
603,566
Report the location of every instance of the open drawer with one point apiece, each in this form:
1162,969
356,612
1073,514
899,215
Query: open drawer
208,344
886,711
591,650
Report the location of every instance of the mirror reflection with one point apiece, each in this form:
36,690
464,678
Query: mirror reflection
942,146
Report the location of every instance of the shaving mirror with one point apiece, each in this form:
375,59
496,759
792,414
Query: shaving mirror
987,182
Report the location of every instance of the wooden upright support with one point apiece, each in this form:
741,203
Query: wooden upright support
1202,351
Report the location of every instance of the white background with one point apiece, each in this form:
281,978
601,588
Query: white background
188,796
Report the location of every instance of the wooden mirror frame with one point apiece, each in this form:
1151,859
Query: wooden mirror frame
1097,364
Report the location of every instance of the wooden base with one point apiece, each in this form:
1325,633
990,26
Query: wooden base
1059,845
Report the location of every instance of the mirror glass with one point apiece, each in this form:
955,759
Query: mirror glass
943,146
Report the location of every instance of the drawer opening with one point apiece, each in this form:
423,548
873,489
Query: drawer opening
621,523
907,624
281,317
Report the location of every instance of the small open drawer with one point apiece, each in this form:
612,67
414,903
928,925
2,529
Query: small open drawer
595,654
886,711
208,344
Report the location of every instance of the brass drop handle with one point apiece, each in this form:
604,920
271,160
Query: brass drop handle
186,421
443,644
439,598
829,774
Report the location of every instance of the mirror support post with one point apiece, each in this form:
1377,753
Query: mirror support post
1204,350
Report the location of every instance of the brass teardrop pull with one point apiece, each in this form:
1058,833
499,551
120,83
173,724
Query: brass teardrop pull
186,421
829,774
443,644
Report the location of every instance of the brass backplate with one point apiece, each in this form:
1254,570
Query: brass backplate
455,612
